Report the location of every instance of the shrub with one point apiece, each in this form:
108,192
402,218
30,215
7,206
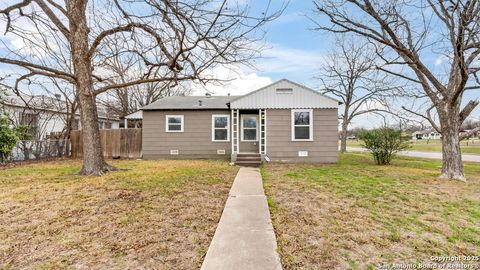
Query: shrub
384,143
8,138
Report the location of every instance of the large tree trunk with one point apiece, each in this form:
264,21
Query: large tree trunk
343,137
452,166
93,160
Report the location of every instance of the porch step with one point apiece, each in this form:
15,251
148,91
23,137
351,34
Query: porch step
248,155
247,163
249,160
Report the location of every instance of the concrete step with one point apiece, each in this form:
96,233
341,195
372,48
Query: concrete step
248,163
249,158
248,155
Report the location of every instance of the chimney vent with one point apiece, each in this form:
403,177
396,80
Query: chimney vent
208,95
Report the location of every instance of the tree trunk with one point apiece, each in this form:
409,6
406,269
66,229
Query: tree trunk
93,160
343,138
452,166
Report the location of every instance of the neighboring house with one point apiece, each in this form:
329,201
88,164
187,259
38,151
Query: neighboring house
133,120
46,116
284,122
426,135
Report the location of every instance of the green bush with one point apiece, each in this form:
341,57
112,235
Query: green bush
8,138
384,143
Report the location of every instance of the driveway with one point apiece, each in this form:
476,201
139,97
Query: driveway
435,155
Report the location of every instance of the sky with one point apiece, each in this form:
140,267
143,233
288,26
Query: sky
292,51
296,52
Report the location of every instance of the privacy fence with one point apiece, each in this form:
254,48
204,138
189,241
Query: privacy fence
116,143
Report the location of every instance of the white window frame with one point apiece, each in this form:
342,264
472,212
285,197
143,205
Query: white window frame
310,125
214,128
176,116
256,128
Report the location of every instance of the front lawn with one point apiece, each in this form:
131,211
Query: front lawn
356,215
155,215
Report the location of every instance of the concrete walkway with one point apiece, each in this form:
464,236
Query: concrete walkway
435,155
244,238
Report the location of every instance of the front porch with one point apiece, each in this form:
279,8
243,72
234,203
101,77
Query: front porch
248,136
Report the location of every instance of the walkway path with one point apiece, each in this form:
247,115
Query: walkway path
435,155
244,238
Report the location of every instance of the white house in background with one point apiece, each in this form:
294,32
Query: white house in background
134,120
429,134
46,115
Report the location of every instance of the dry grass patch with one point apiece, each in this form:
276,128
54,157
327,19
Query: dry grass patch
156,215
356,215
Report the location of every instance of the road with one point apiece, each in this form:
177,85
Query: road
435,155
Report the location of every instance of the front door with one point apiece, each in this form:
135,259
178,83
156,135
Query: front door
249,133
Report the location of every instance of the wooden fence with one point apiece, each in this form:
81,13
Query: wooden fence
124,143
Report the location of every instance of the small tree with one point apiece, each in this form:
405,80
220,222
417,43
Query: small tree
384,143
8,138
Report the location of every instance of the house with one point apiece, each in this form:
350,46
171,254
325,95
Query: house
46,116
133,120
282,122
429,134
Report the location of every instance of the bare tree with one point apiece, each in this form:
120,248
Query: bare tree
349,73
127,100
172,40
409,33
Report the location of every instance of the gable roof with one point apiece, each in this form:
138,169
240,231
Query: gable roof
190,103
301,97
44,103
266,97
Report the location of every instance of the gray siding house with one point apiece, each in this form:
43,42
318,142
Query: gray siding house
282,122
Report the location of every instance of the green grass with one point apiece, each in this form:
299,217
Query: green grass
467,146
155,214
375,214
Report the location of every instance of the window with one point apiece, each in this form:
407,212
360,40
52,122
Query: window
31,121
76,124
302,125
284,90
220,128
174,123
249,128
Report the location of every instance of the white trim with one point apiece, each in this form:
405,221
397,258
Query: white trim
181,123
265,139
227,127
232,131
310,124
256,128
260,131
238,131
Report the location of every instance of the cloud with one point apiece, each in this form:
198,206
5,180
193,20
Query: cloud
237,82
440,59
280,59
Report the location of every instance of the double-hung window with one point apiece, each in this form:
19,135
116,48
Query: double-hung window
249,128
220,127
302,125
174,123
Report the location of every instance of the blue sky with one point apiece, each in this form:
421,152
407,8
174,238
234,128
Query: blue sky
295,52
292,51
